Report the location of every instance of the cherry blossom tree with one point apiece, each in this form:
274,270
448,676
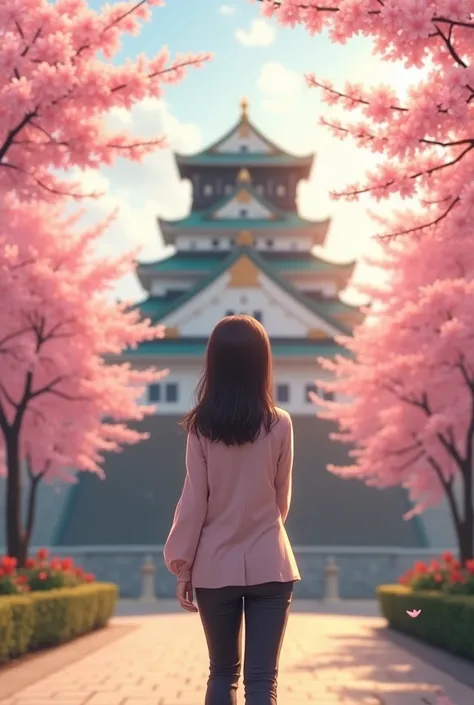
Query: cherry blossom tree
61,404
56,90
427,141
407,391
410,379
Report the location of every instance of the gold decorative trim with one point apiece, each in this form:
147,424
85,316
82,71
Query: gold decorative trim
244,108
317,334
245,238
244,274
243,177
243,196
171,332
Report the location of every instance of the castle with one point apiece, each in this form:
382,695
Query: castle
243,248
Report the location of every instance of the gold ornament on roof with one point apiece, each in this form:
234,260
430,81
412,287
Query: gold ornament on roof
245,238
244,274
244,108
243,177
317,334
243,196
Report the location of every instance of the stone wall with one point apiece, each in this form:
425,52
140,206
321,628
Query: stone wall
361,569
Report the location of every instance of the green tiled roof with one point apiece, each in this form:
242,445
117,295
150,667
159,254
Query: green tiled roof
198,220
183,262
197,262
277,157
183,347
243,159
334,307
206,219
266,268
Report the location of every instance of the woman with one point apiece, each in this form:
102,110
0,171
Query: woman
228,539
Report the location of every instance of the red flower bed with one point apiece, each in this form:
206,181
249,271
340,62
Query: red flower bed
44,572
445,574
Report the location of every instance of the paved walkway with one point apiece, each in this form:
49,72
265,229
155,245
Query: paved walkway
327,659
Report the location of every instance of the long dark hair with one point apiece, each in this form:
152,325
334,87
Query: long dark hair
234,396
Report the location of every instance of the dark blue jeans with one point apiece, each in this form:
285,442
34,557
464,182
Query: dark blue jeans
266,608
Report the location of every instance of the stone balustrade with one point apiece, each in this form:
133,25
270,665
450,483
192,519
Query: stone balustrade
329,573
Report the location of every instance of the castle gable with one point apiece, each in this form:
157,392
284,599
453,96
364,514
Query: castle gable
243,204
244,287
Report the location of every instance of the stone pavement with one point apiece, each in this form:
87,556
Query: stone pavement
328,659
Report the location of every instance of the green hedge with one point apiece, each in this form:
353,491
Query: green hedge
41,619
446,621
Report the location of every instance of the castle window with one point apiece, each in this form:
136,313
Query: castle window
310,389
208,190
281,190
283,393
192,245
243,148
269,242
313,388
215,242
171,392
230,312
243,212
258,316
154,393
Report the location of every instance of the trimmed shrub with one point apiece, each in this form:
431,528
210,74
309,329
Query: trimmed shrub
47,618
23,622
6,628
446,621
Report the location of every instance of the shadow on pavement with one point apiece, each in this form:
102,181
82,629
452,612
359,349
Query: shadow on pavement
459,668
371,657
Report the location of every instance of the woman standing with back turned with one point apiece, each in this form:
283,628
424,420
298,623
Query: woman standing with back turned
228,539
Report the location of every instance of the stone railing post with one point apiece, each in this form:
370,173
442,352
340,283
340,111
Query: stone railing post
331,581
148,571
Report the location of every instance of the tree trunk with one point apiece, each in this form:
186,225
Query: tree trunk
13,513
466,534
30,517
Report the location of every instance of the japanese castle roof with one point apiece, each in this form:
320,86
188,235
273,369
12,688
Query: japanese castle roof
282,262
209,220
217,154
196,347
157,308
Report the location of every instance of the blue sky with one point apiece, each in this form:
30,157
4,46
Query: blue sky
266,63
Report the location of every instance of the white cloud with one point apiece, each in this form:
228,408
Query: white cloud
338,163
279,87
227,10
277,80
260,34
141,191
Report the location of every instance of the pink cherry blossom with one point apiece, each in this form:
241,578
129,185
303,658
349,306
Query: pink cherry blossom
427,138
55,93
64,402
410,377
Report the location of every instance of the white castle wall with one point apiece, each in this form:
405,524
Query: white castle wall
281,243
163,284
247,143
281,315
252,209
185,373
